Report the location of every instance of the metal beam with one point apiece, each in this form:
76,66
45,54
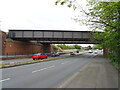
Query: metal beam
52,36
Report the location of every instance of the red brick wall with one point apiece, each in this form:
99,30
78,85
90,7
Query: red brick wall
3,37
8,47
51,49
14,47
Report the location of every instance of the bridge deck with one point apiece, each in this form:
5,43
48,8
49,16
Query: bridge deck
51,36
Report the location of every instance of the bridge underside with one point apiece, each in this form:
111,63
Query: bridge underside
57,41
66,42
52,36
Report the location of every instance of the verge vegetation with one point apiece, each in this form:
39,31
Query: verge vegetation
104,17
65,47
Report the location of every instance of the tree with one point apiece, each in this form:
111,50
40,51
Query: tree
104,16
63,46
77,46
55,48
98,46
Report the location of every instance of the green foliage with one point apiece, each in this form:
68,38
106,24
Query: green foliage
106,15
69,3
63,46
103,16
98,46
114,59
55,48
77,46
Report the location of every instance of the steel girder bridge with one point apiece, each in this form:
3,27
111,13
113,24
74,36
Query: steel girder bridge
52,36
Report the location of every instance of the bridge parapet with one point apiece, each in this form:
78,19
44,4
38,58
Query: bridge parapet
52,36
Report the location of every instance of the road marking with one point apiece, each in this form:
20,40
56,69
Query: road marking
65,62
4,80
43,69
66,82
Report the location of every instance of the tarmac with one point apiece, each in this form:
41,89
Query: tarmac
99,73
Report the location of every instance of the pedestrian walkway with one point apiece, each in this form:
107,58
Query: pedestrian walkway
99,73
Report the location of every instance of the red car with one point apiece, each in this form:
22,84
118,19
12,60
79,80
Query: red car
39,56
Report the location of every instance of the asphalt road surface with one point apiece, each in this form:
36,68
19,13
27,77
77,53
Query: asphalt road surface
24,59
29,59
49,74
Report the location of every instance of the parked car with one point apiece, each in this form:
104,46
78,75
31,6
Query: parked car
90,51
72,53
95,52
39,56
53,54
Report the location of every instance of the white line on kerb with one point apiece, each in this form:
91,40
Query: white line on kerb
4,80
43,69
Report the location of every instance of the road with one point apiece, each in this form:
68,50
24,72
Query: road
48,74
24,59
29,59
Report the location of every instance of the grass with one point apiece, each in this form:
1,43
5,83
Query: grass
6,65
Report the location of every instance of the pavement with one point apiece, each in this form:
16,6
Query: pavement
99,73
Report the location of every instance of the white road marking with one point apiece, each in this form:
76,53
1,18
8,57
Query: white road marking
65,83
43,69
4,80
65,62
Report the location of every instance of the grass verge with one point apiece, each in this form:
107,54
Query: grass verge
6,65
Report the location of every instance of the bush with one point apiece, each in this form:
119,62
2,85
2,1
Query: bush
114,59
55,48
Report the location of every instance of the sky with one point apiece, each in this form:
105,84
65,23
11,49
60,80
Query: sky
38,15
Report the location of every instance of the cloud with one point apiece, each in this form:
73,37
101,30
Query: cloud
37,14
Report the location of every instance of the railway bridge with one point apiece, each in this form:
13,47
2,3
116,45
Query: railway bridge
47,37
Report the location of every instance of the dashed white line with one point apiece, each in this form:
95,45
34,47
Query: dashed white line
4,80
43,69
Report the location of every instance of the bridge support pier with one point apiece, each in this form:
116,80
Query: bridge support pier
47,48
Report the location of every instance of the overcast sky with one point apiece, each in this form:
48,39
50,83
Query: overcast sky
38,14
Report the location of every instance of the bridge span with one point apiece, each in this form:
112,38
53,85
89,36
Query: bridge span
53,36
